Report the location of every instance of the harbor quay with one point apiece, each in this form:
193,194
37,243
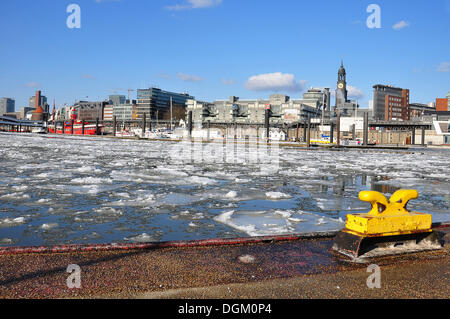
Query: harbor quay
312,134
288,268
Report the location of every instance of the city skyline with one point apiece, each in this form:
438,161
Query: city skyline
213,49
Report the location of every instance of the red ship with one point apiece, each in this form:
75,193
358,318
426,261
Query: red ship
89,129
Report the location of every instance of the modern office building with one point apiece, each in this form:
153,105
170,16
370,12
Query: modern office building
126,111
7,105
234,110
317,98
390,103
156,102
117,99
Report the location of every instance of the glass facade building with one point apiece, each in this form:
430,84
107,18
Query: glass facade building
124,112
117,99
7,105
156,102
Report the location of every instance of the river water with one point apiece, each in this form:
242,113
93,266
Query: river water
64,189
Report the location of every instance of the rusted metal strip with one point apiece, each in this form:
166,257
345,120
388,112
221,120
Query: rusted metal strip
175,244
159,245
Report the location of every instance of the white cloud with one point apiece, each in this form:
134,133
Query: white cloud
275,82
355,93
400,25
352,93
189,78
444,67
195,4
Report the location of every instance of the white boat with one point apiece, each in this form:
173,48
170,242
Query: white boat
161,134
38,130
125,133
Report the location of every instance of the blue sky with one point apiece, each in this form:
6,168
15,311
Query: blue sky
217,48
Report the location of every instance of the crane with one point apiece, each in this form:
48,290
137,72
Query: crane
129,90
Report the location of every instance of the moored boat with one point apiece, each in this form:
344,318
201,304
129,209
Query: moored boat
89,129
39,130
79,128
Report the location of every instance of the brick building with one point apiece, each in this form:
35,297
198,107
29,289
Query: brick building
442,105
390,103
396,107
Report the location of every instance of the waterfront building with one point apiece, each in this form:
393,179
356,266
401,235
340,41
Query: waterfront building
390,103
317,98
117,99
24,111
108,112
60,114
7,105
126,111
88,111
443,105
156,102
235,110
39,100
417,110
38,114
15,115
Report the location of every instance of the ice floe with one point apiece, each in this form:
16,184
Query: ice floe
126,189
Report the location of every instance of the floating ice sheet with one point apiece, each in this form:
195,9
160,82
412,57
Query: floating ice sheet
100,189
277,222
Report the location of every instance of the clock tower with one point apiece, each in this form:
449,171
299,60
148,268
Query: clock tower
341,91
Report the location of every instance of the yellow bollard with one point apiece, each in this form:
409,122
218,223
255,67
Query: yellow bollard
389,224
388,217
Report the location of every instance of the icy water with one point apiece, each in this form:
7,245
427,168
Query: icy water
64,189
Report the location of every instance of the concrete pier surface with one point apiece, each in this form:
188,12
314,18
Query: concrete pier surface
297,269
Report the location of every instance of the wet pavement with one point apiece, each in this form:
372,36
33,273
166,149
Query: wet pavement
290,269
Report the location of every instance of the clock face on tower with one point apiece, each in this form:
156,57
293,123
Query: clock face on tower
340,85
